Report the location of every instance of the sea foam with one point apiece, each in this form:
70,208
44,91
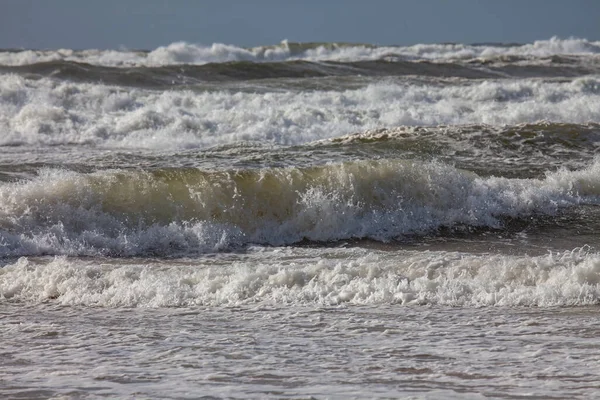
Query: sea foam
48,112
284,276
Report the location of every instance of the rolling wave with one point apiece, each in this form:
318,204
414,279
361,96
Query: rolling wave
171,212
524,150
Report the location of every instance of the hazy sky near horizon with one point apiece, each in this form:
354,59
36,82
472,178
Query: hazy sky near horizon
147,24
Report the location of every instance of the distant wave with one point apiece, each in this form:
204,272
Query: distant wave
181,53
182,211
172,76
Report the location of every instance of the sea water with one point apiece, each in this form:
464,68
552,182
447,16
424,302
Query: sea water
301,221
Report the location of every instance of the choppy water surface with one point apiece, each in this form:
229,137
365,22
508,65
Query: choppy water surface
300,220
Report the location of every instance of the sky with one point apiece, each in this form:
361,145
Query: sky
147,24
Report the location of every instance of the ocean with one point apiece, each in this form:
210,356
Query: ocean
301,221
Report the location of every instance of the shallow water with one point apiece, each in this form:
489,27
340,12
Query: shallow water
300,352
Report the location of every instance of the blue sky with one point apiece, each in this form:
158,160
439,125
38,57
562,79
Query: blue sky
147,24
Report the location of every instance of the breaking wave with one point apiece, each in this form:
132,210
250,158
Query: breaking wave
183,211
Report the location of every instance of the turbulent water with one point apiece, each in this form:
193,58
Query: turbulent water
304,220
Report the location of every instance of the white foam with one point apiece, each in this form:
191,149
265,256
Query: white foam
46,112
188,53
296,276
